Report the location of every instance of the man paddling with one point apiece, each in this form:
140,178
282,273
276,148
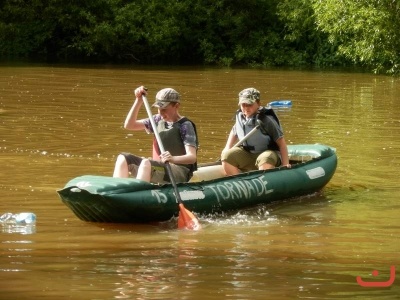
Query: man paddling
178,135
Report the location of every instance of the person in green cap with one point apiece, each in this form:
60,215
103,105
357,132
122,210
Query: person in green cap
264,149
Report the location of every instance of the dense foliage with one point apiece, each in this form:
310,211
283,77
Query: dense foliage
217,32
365,31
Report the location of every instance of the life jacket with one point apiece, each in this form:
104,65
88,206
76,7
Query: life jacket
260,140
172,139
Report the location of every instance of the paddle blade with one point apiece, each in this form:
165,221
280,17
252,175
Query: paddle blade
187,220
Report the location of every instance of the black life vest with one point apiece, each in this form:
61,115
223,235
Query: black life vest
172,140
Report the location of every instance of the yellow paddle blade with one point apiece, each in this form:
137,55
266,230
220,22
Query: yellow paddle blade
187,220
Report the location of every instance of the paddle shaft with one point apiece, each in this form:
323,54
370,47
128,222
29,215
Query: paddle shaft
218,162
162,150
251,132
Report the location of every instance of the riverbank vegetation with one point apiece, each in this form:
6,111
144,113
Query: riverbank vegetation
259,33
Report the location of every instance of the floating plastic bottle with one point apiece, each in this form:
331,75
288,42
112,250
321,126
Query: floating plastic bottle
23,218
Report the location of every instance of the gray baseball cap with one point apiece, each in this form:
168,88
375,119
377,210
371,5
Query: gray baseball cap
165,97
249,96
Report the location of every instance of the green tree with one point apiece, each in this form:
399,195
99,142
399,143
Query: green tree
217,32
241,32
366,31
142,32
308,44
46,28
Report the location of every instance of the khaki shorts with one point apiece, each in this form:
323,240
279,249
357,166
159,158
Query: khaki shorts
159,173
247,161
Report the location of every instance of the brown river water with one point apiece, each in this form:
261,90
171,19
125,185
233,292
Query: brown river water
57,123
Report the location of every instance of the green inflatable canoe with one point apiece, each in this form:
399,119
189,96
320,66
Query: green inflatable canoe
119,200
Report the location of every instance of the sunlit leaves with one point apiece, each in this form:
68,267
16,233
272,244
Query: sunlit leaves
366,31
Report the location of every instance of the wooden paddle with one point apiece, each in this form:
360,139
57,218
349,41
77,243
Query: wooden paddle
186,219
